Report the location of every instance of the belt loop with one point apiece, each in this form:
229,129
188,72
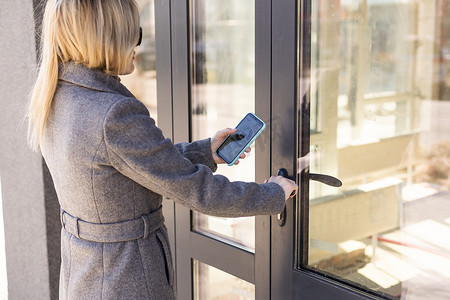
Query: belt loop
61,216
77,228
146,229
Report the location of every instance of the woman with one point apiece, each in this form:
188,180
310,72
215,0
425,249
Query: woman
111,165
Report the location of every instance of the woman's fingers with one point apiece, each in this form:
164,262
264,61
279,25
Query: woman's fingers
217,140
226,132
220,135
290,188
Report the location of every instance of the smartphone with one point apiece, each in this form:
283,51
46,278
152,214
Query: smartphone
235,144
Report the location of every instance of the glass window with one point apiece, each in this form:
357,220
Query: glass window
222,93
380,110
213,284
142,82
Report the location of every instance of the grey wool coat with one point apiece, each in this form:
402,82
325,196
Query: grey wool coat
111,166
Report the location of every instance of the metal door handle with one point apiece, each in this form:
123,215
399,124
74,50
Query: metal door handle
326,179
283,172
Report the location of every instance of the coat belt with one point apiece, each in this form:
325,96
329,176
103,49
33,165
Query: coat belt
113,232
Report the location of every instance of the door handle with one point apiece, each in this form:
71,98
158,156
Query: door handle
283,172
326,179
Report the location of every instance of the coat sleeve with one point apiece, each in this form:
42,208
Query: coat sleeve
198,152
138,150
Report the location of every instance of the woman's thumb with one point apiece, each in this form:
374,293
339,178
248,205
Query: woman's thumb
227,131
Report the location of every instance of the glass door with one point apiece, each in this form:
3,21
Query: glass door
219,75
371,102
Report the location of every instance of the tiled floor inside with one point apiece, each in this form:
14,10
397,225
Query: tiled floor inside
412,262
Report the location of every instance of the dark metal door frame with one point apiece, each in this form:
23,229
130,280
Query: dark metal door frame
164,95
188,245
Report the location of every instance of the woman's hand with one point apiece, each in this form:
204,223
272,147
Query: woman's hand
217,140
290,187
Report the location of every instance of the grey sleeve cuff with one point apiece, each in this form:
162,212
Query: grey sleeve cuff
198,152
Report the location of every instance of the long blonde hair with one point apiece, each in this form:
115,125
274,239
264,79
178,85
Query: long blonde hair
101,34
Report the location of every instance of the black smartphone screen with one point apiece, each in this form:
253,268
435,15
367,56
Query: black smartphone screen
247,131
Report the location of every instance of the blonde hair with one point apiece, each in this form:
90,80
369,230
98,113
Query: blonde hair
100,34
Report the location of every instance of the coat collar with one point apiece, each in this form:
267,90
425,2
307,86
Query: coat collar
78,74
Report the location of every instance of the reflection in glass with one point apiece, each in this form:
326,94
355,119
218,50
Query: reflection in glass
142,82
380,110
213,284
223,67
